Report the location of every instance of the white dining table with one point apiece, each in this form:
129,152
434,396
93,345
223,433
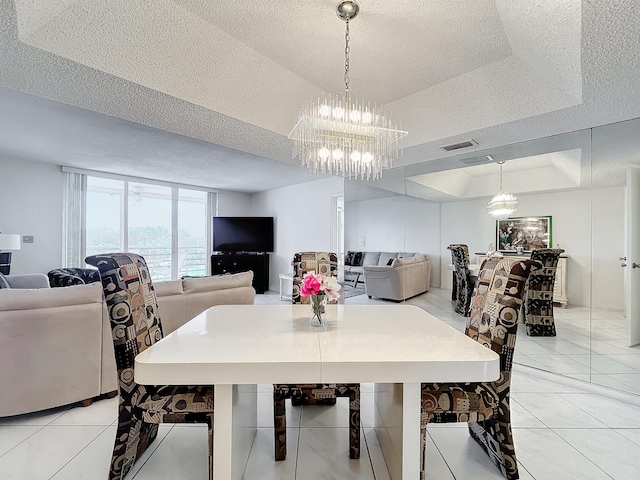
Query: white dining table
235,347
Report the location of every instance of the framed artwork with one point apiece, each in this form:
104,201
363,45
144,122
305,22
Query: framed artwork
526,232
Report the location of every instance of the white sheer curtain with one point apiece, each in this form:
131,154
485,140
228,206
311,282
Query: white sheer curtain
74,219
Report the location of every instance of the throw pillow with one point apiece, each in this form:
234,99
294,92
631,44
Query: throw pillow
357,258
371,258
385,256
348,259
390,262
3,282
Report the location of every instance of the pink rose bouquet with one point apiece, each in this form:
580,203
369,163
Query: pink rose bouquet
318,284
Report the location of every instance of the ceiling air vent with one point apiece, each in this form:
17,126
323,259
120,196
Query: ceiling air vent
457,146
477,160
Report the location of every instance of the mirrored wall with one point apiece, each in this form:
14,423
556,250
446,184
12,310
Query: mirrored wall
578,179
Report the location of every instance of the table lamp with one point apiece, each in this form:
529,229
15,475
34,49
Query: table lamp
8,241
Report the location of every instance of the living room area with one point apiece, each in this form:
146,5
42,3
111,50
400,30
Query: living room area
108,144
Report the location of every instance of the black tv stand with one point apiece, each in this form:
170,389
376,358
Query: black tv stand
241,262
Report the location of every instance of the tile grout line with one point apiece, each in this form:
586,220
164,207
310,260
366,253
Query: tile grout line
579,452
366,444
295,471
157,445
25,439
439,453
82,449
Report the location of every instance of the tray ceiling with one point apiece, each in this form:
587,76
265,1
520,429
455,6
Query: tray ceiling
231,76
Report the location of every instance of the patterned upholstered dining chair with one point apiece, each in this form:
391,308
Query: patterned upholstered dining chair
538,301
495,307
325,263
463,285
135,324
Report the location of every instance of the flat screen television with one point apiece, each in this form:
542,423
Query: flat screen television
242,234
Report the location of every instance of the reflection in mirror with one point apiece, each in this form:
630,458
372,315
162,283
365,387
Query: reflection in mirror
584,181
551,177
374,228
615,320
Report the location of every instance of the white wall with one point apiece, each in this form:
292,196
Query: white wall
31,204
395,224
380,221
234,204
424,233
302,220
608,246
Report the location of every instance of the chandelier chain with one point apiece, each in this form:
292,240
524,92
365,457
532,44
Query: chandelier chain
347,49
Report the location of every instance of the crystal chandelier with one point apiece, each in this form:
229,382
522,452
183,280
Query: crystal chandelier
503,204
343,136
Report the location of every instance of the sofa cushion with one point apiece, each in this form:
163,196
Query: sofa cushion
386,256
165,288
377,271
217,282
406,254
371,258
28,280
398,262
3,282
32,299
357,258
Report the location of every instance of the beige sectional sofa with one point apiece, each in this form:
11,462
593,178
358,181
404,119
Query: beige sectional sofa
55,343
393,275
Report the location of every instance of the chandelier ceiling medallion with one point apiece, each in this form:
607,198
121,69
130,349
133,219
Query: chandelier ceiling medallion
503,205
340,135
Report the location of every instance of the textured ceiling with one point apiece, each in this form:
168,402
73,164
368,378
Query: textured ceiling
540,173
209,90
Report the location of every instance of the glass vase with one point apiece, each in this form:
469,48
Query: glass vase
317,303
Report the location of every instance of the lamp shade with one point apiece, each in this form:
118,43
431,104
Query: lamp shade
9,241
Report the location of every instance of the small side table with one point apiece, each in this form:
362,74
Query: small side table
287,280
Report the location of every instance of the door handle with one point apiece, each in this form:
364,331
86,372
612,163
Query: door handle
623,264
635,265
622,258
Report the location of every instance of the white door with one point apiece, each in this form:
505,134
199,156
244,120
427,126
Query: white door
632,277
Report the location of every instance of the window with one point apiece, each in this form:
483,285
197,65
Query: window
105,216
149,229
168,225
192,232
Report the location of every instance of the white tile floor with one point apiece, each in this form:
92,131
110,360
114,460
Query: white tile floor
561,431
